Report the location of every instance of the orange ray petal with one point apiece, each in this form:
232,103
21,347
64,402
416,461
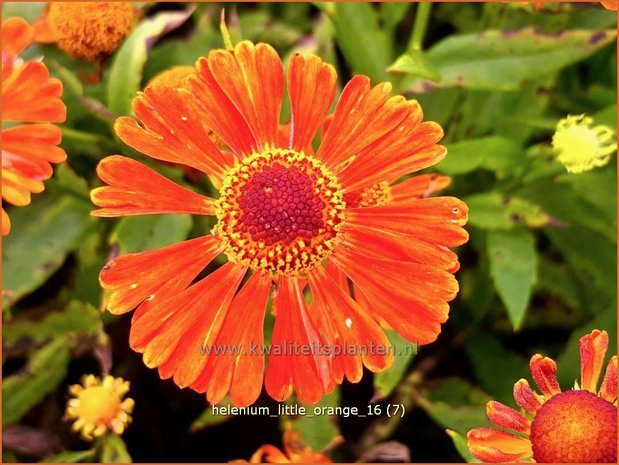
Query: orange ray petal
544,372
409,147
171,333
134,189
491,445
422,185
187,362
360,338
608,389
362,116
506,417
6,223
219,113
324,326
337,275
252,76
29,95
16,36
325,125
31,148
16,188
436,220
293,362
311,87
132,278
398,246
241,372
412,298
173,131
593,348
526,398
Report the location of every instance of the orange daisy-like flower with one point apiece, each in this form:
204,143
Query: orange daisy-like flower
28,95
579,425
281,214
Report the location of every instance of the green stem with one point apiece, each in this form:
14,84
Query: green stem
422,17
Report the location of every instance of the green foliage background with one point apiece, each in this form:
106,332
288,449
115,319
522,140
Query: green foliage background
538,273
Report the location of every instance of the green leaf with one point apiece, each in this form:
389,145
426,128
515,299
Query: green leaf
416,63
492,210
496,368
126,70
492,152
139,233
590,253
45,369
457,405
386,381
503,60
461,446
606,116
365,46
113,450
587,199
207,418
317,431
71,457
76,317
513,267
42,234
260,26
392,13
597,188
558,280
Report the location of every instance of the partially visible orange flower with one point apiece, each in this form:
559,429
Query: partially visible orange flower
295,451
28,95
579,425
281,215
89,30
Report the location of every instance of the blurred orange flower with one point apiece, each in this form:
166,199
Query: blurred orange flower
89,30
281,213
579,425
28,95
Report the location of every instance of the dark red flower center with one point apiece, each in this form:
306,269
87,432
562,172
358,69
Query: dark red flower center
280,211
575,426
280,205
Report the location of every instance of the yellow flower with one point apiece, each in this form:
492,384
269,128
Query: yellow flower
89,30
579,146
97,406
